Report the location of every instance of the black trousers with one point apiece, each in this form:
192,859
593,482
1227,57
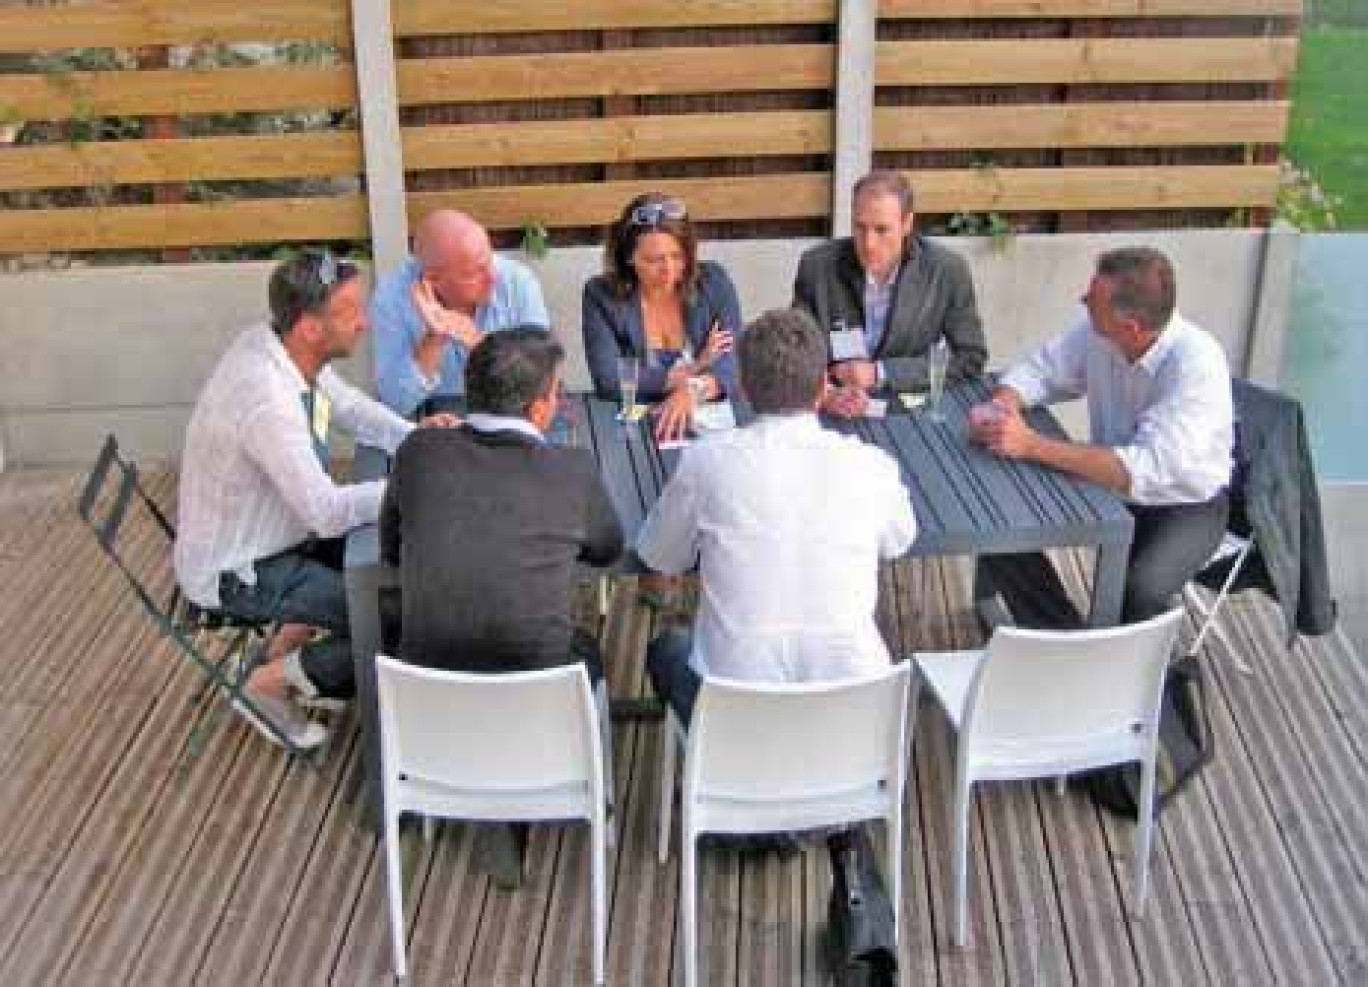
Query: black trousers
1171,543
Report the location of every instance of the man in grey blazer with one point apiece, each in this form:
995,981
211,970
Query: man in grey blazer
886,295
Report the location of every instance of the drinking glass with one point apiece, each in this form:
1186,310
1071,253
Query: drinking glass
937,360
628,368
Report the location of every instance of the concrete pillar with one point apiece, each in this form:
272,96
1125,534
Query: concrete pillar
377,94
1273,304
854,137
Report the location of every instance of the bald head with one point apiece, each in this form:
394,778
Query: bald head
454,254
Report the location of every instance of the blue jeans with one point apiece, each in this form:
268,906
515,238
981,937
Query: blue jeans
302,585
674,680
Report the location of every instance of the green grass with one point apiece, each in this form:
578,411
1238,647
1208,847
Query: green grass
1346,13
1329,129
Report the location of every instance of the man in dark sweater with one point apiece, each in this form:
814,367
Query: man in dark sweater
488,522
487,527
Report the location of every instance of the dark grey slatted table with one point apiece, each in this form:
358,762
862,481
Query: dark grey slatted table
967,501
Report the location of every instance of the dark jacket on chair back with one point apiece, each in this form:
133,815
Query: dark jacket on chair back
488,530
1276,486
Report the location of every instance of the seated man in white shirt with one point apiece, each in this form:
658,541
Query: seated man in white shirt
1158,391
261,522
787,523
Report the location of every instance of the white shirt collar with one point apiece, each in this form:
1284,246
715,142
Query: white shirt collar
482,422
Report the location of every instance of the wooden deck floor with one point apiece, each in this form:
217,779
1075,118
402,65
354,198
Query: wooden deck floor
122,862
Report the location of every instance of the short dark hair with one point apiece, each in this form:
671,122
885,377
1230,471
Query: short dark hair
303,284
510,369
885,181
1144,285
666,214
783,361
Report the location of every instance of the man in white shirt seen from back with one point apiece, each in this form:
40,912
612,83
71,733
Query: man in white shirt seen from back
787,523
1161,418
261,523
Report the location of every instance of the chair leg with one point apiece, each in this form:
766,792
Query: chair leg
599,878
894,838
688,914
668,751
1210,616
959,862
1144,835
395,880
605,723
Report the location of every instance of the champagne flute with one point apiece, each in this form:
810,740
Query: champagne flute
628,368
937,360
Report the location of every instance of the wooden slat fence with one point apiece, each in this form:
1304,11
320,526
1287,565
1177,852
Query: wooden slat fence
1056,111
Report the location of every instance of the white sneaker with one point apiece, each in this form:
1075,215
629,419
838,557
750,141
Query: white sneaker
305,693
283,719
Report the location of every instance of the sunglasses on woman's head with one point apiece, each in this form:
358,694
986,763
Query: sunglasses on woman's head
655,213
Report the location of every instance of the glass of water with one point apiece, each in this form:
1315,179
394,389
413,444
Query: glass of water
628,368
937,360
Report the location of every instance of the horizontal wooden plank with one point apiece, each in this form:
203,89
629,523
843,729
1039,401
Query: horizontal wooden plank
1018,61
758,197
931,128
431,17
641,138
944,9
181,160
1123,188
768,196
753,68
941,191
191,225
132,23
177,92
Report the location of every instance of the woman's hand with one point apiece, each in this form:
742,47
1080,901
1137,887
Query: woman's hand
674,415
718,344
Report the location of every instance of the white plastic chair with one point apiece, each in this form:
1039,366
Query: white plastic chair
522,746
764,758
1038,704
1237,550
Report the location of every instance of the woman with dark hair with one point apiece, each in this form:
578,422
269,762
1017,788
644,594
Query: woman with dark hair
658,302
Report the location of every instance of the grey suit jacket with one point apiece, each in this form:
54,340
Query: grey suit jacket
933,297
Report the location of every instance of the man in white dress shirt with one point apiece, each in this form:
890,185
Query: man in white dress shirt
786,522
1159,403
261,522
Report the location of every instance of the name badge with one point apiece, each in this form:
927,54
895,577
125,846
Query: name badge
321,417
848,344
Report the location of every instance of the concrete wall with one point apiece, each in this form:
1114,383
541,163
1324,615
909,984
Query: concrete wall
92,350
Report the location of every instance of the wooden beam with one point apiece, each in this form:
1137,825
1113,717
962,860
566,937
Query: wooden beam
640,72
749,197
178,92
617,139
1109,124
757,197
180,160
1118,188
968,9
134,23
190,225
437,17
1057,61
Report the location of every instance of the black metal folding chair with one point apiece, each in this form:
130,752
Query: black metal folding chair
112,488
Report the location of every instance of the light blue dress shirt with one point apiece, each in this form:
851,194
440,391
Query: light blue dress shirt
517,301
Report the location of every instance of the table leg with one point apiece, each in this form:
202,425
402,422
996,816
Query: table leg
1109,584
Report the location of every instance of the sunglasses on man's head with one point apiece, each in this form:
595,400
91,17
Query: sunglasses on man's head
327,269
655,213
